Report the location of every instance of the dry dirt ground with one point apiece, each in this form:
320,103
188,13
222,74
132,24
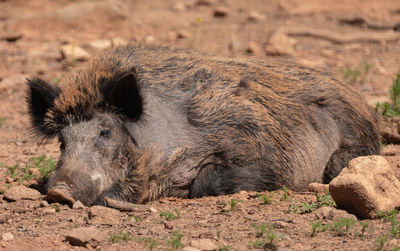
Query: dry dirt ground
357,40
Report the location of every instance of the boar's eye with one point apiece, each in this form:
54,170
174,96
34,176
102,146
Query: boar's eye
105,133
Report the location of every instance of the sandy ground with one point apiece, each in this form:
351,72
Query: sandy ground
359,41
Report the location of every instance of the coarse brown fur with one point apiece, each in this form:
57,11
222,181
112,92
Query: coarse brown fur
208,125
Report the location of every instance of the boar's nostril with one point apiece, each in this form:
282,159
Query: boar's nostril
55,195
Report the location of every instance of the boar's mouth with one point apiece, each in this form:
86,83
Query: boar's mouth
61,195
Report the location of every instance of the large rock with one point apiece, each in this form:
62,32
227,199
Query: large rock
85,236
104,215
368,185
21,193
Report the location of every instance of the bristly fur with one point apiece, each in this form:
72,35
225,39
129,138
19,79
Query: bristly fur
95,93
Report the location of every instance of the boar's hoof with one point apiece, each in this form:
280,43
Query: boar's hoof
59,196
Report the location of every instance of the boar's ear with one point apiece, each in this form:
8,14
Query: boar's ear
40,99
124,94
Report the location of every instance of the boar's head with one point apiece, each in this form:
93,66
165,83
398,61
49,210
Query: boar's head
87,115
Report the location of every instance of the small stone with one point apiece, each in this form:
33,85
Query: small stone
179,7
101,44
204,244
205,2
153,210
207,235
104,215
280,44
7,236
367,185
34,172
49,210
78,205
85,236
168,226
188,248
9,180
44,203
74,52
221,12
318,188
149,39
255,16
253,48
21,193
11,36
182,34
281,224
226,208
331,213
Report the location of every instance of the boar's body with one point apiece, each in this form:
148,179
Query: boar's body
141,123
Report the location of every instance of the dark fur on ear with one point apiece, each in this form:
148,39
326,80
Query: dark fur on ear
122,93
40,99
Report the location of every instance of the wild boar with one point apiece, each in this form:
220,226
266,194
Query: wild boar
140,123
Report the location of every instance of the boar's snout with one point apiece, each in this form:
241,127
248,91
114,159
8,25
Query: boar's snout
56,195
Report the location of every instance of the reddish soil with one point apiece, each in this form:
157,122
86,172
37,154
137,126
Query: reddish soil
334,36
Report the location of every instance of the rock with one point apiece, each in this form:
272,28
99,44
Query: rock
318,188
104,215
101,44
205,2
168,226
11,36
204,244
9,180
331,213
221,12
366,186
78,205
35,172
179,7
182,34
7,236
153,210
21,193
85,236
190,249
44,203
255,16
282,224
74,52
49,210
149,39
253,48
280,44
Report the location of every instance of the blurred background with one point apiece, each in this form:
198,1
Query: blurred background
358,40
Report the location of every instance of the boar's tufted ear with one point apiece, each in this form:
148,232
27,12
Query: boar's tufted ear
124,94
40,99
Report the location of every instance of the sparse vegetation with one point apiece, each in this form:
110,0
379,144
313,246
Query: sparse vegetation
393,108
265,233
360,73
43,164
308,207
318,227
170,216
195,34
175,242
118,237
342,225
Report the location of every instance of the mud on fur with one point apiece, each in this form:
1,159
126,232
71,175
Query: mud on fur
140,123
